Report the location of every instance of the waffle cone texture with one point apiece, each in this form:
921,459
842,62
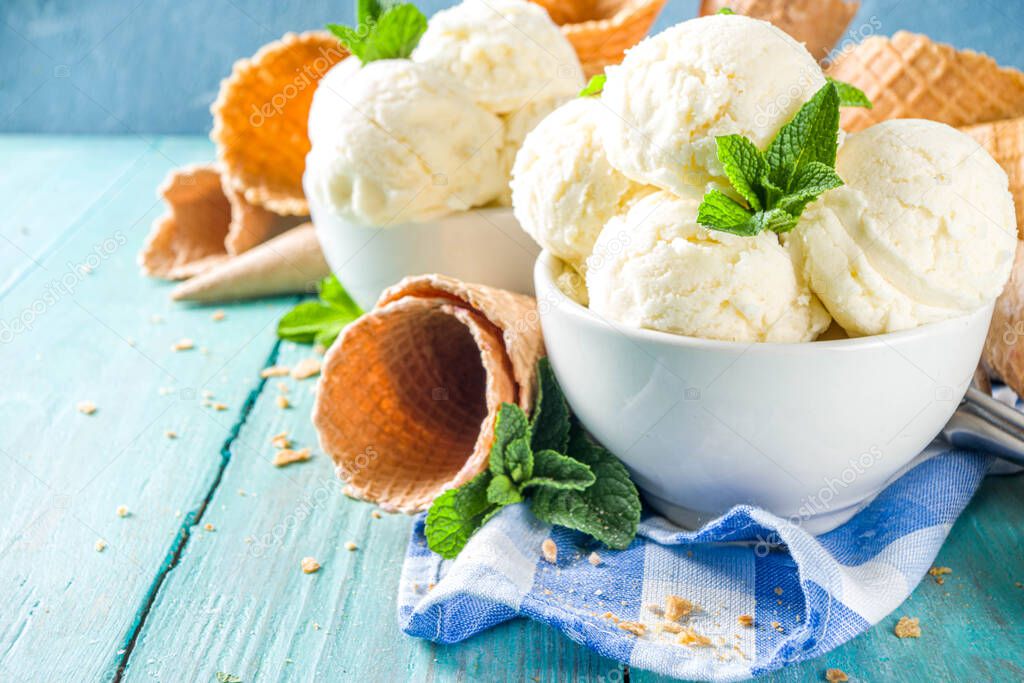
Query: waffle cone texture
409,393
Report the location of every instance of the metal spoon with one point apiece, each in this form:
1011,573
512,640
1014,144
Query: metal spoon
983,423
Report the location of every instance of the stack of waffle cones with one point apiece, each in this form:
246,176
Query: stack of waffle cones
410,392
228,229
602,30
910,76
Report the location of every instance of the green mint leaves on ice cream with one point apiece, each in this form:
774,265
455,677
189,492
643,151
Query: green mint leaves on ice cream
775,186
383,30
549,461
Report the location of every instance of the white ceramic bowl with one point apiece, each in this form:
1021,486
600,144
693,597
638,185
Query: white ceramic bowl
810,432
484,246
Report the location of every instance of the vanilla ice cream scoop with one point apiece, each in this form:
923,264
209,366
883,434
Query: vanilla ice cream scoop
923,230
657,268
717,75
395,141
506,52
564,190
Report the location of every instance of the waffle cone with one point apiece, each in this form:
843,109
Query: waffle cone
1004,140
909,76
818,24
602,30
259,119
1004,348
410,392
289,263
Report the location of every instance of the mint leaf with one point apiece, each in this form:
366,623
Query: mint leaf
744,164
519,460
385,31
595,86
502,491
320,321
776,220
549,423
456,514
813,180
511,425
851,95
556,471
812,135
725,10
719,211
608,510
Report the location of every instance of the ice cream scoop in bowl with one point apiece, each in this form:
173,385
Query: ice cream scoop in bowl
809,431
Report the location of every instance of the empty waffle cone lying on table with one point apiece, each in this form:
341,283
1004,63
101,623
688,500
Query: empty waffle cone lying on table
409,393
909,76
290,263
205,224
818,24
1004,348
260,115
602,30
1004,140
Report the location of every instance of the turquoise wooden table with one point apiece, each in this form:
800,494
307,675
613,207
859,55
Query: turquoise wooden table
202,575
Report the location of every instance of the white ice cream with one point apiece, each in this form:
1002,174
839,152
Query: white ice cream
657,268
564,190
396,141
506,52
923,230
518,125
717,75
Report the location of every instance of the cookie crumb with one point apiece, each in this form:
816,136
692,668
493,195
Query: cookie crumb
350,546
693,639
634,627
778,627
100,545
908,627
287,456
183,344
171,434
280,440
209,527
375,514
275,371
86,407
217,316
310,565
122,511
549,550
778,590
305,368
282,402
671,627
220,407
282,388
937,573
677,607
836,676
745,620
594,559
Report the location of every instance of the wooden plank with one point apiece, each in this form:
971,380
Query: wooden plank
246,607
67,608
966,622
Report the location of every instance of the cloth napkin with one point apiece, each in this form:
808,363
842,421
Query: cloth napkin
807,594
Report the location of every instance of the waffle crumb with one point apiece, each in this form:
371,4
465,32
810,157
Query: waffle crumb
745,620
350,546
282,388
937,573
275,371
305,368
280,440
86,407
219,407
375,514
287,456
310,565
209,527
217,316
171,434
908,627
778,590
691,638
282,402
778,627
100,545
671,627
594,559
183,344
634,627
122,511
677,607
836,676
549,550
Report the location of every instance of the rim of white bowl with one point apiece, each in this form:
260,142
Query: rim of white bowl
544,282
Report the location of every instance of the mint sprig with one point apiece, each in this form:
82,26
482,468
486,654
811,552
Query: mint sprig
775,186
549,462
384,30
851,95
595,86
320,322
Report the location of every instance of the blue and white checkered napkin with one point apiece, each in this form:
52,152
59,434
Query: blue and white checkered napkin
807,594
